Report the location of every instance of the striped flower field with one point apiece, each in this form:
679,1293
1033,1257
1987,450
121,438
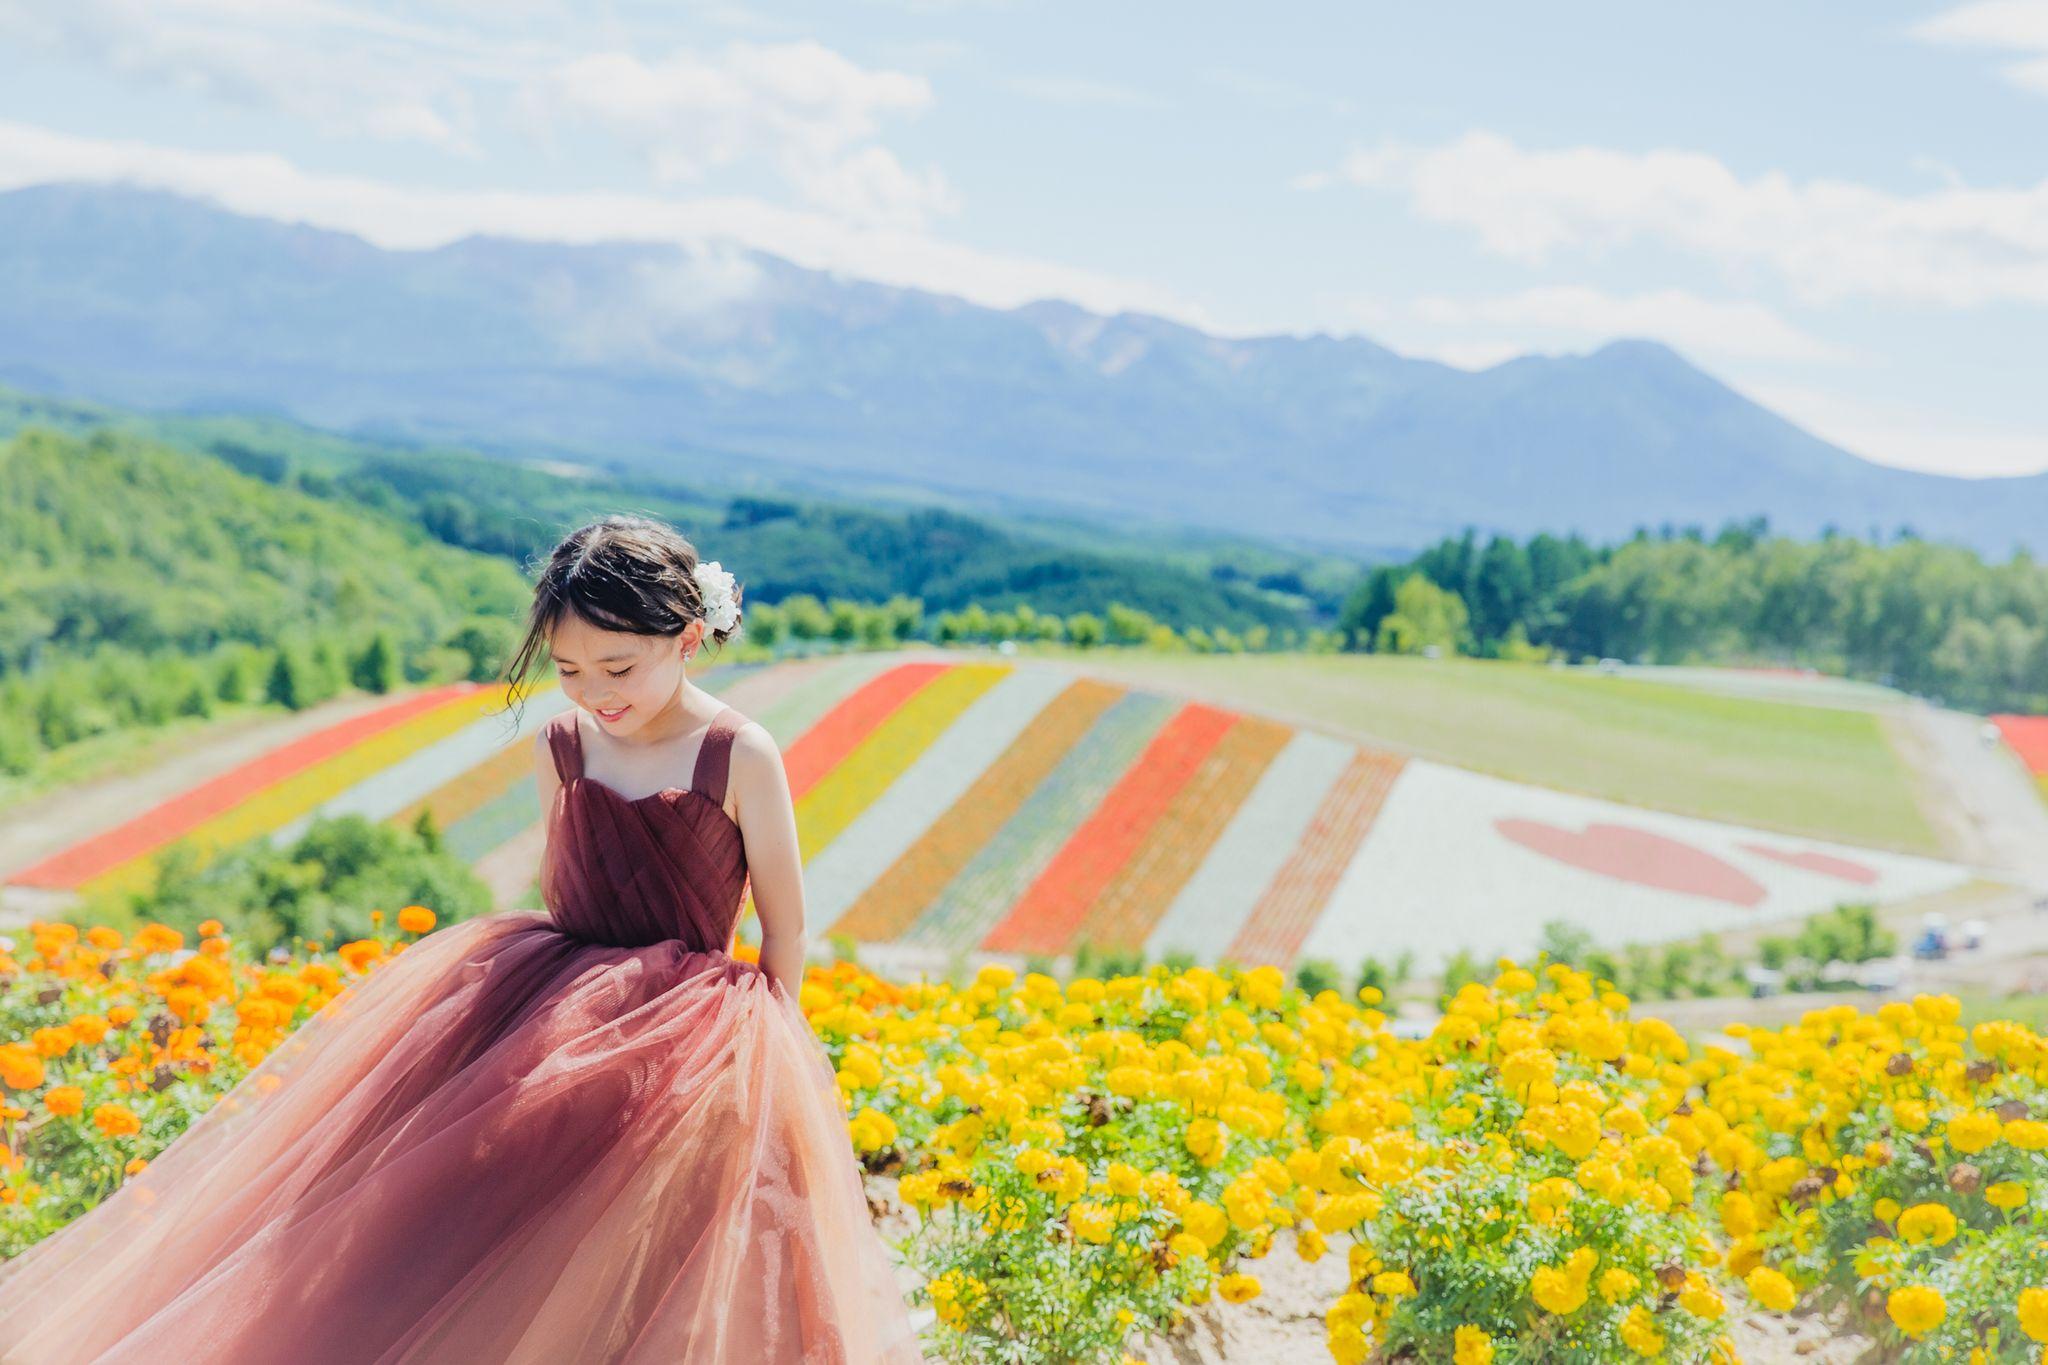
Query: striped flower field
1023,807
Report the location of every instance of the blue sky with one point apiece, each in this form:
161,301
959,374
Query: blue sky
1841,210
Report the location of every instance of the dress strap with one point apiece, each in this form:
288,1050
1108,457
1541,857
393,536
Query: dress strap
714,754
565,740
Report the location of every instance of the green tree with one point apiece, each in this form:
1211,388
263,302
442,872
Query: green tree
1424,615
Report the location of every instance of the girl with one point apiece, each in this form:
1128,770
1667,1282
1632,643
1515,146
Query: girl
585,1135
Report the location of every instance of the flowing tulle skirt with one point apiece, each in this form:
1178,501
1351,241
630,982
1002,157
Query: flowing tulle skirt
506,1144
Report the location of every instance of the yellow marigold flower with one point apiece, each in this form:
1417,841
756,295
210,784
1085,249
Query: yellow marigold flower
2033,1312
2029,1135
1547,1198
1933,1224
1916,1309
1771,1289
1208,1140
1207,1222
871,1129
1779,1176
1555,1291
1238,1288
1617,1284
1937,1009
1971,1132
1887,1209
1033,1161
1091,1222
2006,1194
1639,1333
1470,1346
1528,1067
416,919
1744,1255
1738,1214
1392,1283
64,1100
1700,1299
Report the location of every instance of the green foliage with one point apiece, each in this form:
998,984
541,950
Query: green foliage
1317,974
142,584
1849,933
1459,968
320,888
1935,620
1092,959
1423,615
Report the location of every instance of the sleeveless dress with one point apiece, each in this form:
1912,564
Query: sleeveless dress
589,1135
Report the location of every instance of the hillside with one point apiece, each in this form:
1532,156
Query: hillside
832,548
735,367
140,583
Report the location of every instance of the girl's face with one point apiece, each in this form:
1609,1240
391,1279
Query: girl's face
625,680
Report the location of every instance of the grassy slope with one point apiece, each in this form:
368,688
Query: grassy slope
1806,769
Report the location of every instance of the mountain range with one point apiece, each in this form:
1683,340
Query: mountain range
724,363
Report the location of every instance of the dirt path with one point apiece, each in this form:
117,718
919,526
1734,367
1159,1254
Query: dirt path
1978,791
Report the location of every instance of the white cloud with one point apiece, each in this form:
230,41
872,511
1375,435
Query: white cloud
2008,25
1828,239
342,69
1467,355
1738,329
800,106
1905,435
402,216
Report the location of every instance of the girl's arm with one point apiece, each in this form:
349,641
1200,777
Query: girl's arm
767,817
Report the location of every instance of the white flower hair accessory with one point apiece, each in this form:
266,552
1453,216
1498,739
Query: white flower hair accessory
721,599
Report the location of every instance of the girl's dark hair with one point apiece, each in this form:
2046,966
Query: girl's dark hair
625,573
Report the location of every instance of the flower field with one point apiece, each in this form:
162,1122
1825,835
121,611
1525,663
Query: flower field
1543,1177
957,806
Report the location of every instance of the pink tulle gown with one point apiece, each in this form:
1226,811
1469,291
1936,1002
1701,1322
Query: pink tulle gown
596,1137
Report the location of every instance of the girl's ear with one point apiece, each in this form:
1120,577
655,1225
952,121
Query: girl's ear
693,636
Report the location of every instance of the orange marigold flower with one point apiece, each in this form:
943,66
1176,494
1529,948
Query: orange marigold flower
416,919
116,1120
20,1067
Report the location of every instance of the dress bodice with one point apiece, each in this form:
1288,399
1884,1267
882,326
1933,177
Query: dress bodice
636,871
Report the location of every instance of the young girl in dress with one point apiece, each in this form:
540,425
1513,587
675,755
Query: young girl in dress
584,1134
